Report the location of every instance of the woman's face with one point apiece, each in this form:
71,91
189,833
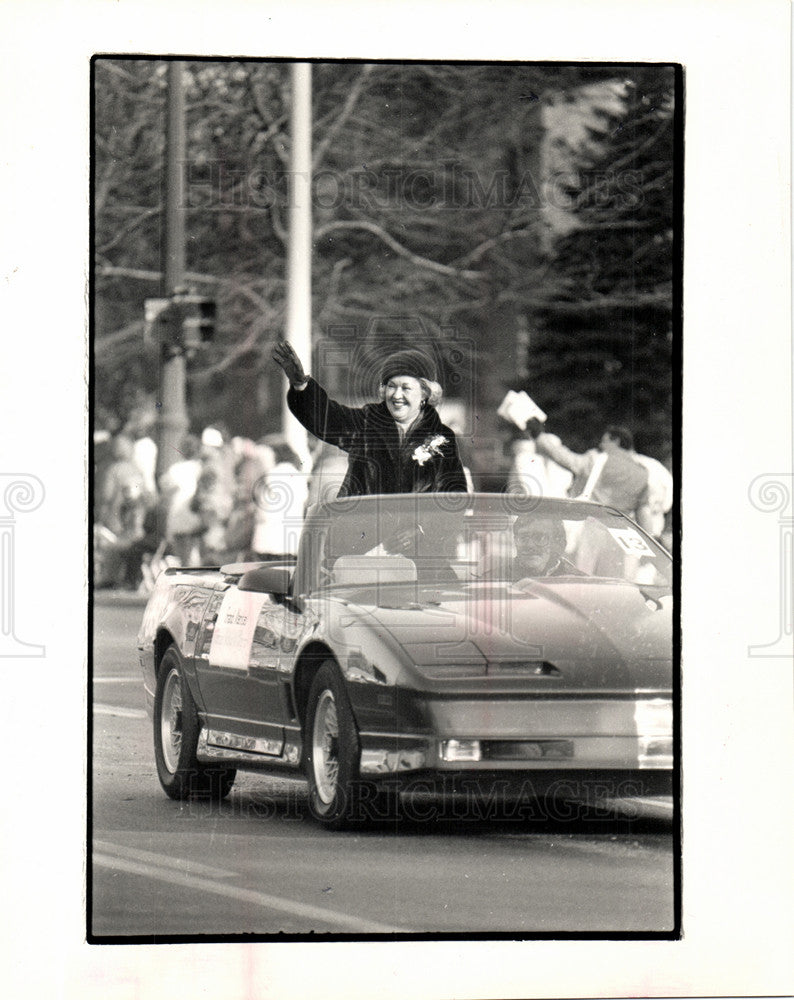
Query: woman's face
404,398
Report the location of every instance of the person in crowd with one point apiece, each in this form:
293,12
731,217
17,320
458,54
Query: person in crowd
178,485
140,427
659,503
534,474
253,463
329,469
106,427
398,445
122,512
667,534
214,497
540,548
280,502
217,452
609,475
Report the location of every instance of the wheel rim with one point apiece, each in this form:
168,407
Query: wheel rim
171,721
325,747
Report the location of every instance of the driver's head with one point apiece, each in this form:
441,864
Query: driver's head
540,543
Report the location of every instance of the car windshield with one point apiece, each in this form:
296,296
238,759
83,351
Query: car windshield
458,540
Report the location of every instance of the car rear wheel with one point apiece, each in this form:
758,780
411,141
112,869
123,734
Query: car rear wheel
176,733
338,797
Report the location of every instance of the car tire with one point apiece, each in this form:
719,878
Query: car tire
176,733
338,798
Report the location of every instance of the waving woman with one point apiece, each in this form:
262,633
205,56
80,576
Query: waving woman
398,445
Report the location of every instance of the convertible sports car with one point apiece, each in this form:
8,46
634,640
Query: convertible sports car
419,637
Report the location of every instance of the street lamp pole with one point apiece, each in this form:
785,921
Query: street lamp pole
299,260
173,422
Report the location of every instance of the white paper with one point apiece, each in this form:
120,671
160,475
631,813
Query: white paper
518,408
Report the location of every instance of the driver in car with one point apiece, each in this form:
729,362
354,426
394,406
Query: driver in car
540,547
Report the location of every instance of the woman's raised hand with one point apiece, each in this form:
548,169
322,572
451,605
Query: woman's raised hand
285,356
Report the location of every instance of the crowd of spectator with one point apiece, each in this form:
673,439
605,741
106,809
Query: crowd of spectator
231,499
226,499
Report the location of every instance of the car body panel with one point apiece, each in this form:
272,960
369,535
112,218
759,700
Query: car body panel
569,673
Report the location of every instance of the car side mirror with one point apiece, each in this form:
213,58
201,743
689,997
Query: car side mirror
267,580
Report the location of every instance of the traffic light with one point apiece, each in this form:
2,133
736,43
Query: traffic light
183,322
196,319
157,321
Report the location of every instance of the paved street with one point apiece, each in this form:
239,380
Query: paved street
258,864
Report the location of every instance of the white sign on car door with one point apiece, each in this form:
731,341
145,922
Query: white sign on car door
234,629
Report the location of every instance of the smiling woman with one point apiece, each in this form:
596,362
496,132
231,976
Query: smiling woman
398,445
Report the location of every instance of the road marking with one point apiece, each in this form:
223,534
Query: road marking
181,864
266,901
127,713
117,680
642,808
662,803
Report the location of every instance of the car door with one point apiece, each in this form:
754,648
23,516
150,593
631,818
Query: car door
243,664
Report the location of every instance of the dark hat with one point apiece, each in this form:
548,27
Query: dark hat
410,362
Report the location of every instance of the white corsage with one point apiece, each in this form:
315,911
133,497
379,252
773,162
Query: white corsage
430,446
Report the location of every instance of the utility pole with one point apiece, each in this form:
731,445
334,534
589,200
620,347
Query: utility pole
173,423
299,259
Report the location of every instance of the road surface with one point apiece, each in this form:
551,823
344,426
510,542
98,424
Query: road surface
258,864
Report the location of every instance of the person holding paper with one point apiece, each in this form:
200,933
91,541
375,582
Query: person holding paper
609,474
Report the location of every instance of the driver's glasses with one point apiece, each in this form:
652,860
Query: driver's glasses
533,537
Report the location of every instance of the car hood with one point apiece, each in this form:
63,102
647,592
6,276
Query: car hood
594,632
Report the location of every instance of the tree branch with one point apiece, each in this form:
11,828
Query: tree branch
278,225
344,115
637,151
128,228
136,274
657,298
483,248
398,248
333,284
248,344
111,341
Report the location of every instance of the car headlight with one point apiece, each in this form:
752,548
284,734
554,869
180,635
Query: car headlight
654,717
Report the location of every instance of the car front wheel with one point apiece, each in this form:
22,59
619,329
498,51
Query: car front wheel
176,733
337,795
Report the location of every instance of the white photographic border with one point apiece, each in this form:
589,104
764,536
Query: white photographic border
738,870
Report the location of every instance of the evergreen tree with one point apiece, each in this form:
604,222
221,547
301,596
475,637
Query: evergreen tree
602,351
